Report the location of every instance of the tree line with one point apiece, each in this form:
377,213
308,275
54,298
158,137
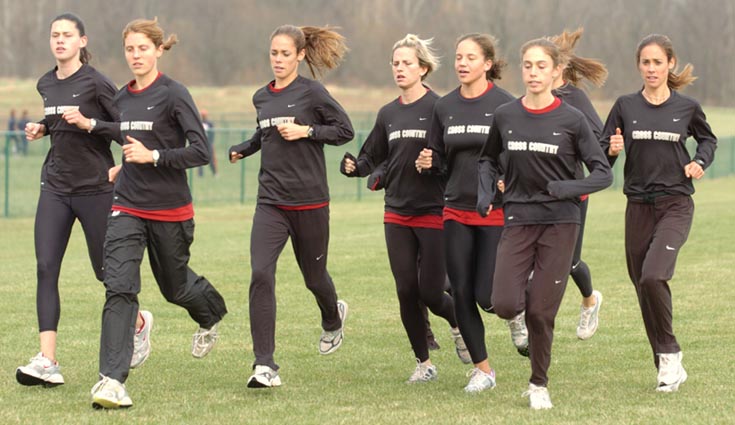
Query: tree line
225,42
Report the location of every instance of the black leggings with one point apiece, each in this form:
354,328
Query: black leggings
580,271
55,217
470,252
417,261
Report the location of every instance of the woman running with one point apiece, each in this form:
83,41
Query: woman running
542,141
460,125
152,208
652,126
74,186
566,88
296,118
413,201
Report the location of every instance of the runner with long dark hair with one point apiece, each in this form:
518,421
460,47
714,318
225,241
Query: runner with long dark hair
566,87
461,122
652,126
296,118
75,185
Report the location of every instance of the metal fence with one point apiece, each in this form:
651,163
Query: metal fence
232,183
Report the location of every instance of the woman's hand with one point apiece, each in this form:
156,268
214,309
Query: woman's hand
616,143
234,157
136,153
34,131
424,161
292,131
113,172
694,170
74,117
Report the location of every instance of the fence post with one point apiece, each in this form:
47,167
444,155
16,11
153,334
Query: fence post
6,205
359,181
243,135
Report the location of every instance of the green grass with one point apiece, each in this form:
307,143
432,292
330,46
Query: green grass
608,379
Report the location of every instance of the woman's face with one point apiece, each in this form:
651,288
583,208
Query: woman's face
141,54
654,66
65,40
538,70
284,57
470,63
406,69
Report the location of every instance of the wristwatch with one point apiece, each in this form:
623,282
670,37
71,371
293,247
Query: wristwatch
700,162
310,132
156,156
92,124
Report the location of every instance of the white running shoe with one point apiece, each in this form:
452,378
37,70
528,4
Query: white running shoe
671,373
589,318
423,373
330,341
203,341
462,352
519,333
40,371
109,393
538,397
142,341
264,377
480,381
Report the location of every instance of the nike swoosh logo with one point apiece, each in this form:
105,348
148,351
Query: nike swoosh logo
291,106
557,282
488,115
151,107
556,134
670,248
677,119
319,257
422,119
511,217
76,94
635,122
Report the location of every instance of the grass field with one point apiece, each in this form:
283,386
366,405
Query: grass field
608,379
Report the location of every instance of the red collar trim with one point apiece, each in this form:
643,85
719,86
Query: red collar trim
555,104
136,91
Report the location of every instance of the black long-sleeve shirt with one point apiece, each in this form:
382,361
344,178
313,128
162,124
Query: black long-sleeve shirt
162,117
77,162
459,128
655,142
293,173
398,136
541,155
576,97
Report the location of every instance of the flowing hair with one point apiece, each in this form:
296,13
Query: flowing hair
325,48
578,68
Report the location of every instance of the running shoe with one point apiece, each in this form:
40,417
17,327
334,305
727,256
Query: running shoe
589,318
538,397
40,371
671,373
142,341
330,341
423,373
203,341
109,393
480,381
264,377
519,333
462,352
